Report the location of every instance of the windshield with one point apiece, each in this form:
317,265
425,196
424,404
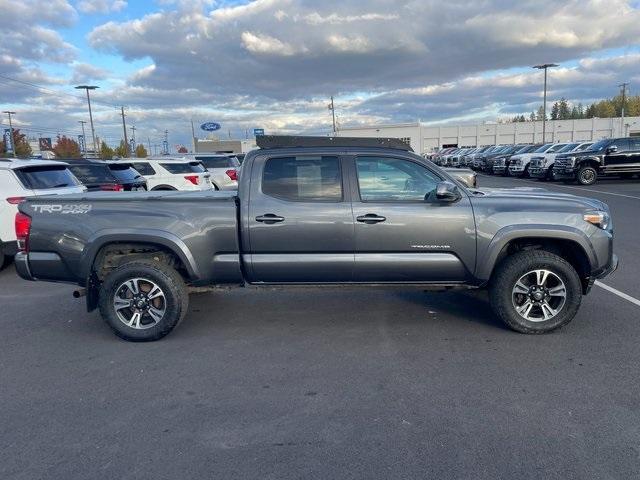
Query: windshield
596,147
45,177
543,148
124,172
191,167
218,161
89,174
568,147
557,147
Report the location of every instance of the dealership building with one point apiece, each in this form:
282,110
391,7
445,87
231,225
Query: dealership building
425,138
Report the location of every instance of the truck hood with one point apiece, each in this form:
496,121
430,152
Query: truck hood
535,194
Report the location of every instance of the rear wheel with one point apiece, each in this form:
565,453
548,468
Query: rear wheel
143,300
535,291
525,174
587,175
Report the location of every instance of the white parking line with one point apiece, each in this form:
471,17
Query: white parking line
629,298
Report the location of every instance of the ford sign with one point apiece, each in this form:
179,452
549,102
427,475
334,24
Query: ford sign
210,126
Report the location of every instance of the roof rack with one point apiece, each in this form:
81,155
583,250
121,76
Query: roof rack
292,141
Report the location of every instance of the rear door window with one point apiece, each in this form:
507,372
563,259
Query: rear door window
45,177
303,179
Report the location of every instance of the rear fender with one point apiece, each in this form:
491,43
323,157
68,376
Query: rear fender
157,237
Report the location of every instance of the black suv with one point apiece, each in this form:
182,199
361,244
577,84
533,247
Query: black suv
94,174
613,156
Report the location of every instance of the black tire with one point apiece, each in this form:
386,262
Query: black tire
3,259
512,269
175,299
587,175
525,174
627,176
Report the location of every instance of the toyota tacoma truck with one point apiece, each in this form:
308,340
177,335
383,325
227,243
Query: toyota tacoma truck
318,211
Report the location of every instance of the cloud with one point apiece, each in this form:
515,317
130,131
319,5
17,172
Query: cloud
83,72
101,6
264,44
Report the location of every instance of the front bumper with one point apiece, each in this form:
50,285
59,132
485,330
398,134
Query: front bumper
610,268
566,173
499,170
538,172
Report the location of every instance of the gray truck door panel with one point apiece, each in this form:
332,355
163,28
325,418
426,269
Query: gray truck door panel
408,238
300,221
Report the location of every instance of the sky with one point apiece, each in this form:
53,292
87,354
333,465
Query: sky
274,64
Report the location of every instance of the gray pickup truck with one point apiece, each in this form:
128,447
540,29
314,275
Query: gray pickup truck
320,211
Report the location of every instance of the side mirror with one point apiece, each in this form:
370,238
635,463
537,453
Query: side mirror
612,149
447,192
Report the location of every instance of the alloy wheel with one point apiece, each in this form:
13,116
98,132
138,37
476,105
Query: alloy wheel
139,303
539,295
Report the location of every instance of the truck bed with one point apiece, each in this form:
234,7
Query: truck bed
200,228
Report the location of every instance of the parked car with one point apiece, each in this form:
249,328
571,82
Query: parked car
542,167
166,173
127,176
396,219
519,165
614,156
478,161
468,159
501,164
97,175
456,159
223,169
21,179
489,160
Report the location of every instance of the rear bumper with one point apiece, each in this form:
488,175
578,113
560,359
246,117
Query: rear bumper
9,248
46,266
21,261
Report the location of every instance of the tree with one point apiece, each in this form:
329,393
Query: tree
20,143
106,152
564,112
122,150
183,149
66,147
141,152
540,114
555,111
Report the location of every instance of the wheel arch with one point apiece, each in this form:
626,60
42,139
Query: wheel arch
569,243
163,188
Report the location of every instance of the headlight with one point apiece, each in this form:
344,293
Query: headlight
599,218
571,161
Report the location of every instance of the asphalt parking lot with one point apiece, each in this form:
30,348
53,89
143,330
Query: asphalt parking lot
327,383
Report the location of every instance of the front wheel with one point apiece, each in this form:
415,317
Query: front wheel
143,300
535,291
587,175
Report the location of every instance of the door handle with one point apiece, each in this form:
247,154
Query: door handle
371,218
269,218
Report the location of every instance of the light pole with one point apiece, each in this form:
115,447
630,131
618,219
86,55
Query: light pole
84,137
623,86
13,143
333,114
93,131
544,67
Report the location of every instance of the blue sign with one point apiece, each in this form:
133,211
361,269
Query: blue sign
210,126
8,141
81,144
257,132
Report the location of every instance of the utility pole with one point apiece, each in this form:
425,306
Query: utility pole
193,136
544,101
165,145
93,131
84,137
624,100
149,143
333,114
13,142
124,129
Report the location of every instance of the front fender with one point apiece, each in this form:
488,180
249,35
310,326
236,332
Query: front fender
487,259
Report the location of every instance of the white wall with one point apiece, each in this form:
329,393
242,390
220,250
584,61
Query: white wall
425,138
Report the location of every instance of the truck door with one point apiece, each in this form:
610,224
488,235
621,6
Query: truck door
402,232
621,158
300,223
